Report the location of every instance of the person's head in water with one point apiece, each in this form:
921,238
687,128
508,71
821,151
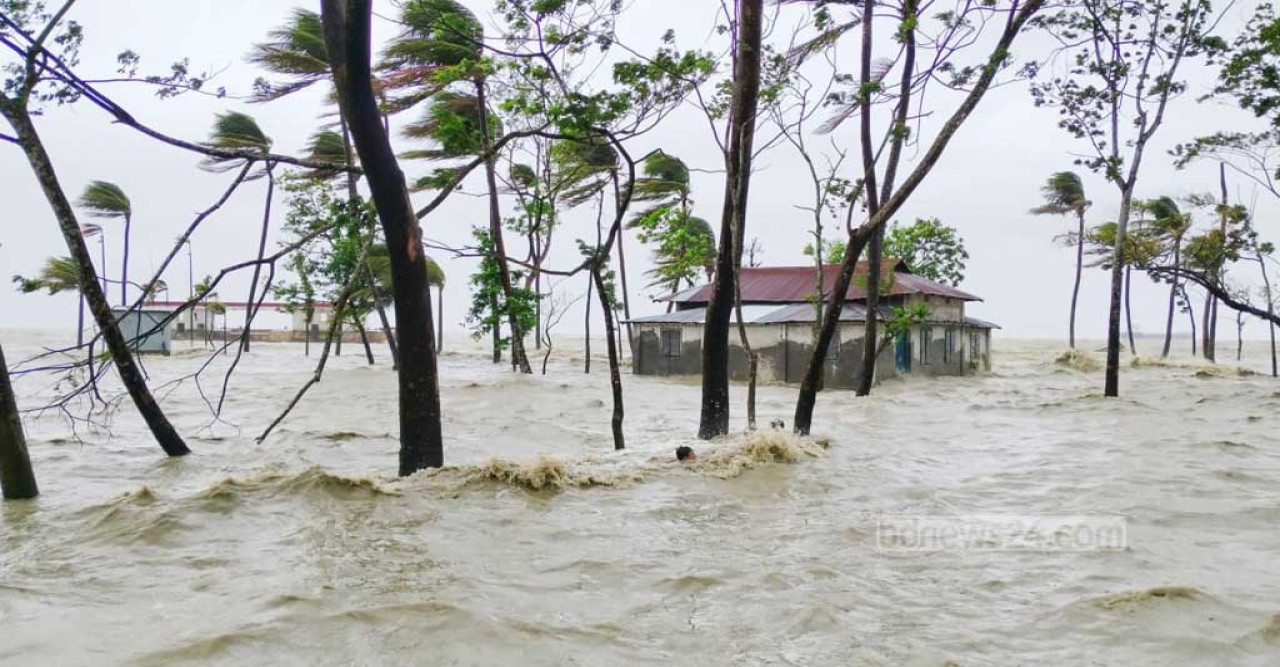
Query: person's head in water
686,454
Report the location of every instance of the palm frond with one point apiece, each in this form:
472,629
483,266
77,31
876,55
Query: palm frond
105,200
235,131
296,49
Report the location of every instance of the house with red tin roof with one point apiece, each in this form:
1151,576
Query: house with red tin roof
779,314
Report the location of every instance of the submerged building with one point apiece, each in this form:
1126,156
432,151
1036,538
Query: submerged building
779,315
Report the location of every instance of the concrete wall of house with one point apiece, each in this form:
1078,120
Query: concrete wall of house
649,358
784,351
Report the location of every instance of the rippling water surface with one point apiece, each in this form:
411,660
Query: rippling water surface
542,546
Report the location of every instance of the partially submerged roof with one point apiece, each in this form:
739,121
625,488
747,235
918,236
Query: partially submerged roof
796,284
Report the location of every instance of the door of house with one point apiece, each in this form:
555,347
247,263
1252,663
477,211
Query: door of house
904,353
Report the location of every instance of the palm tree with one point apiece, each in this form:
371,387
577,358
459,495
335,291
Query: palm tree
296,50
379,262
106,200
436,278
1172,225
686,244
234,131
59,274
90,230
443,35
1063,195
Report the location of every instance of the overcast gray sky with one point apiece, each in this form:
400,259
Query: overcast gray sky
984,185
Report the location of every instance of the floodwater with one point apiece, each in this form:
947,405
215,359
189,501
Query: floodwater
542,546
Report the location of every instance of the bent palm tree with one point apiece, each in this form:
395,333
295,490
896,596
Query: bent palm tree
106,200
1063,195
59,274
443,35
1172,225
296,50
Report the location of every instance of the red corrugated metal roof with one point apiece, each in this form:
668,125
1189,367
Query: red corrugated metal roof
792,284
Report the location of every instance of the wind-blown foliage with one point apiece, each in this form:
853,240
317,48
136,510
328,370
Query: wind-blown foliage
234,131
930,248
296,49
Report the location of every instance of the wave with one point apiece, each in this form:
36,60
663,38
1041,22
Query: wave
1078,360
1160,594
314,478
553,475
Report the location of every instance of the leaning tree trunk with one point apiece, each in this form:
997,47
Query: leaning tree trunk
622,273
347,35
1206,341
497,330
130,375
1173,300
518,357
1128,311
17,480
364,339
250,307
714,420
1075,289
615,374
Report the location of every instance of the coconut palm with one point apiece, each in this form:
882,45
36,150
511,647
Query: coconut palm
442,46
234,131
686,244
101,199
1064,195
295,50
436,278
90,230
379,261
58,274
1172,225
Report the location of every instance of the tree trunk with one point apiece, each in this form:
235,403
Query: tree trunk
1206,341
440,319
1239,335
1128,312
347,35
382,319
497,331
867,370
306,338
1271,311
337,349
1111,384
17,479
714,420
80,322
1075,289
130,375
586,327
250,307
364,339
615,374
1173,300
622,273
518,357
124,267
1191,319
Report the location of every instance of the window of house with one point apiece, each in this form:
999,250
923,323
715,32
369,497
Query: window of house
975,348
671,343
926,339
948,345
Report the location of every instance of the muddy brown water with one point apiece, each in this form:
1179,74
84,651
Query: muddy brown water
541,546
